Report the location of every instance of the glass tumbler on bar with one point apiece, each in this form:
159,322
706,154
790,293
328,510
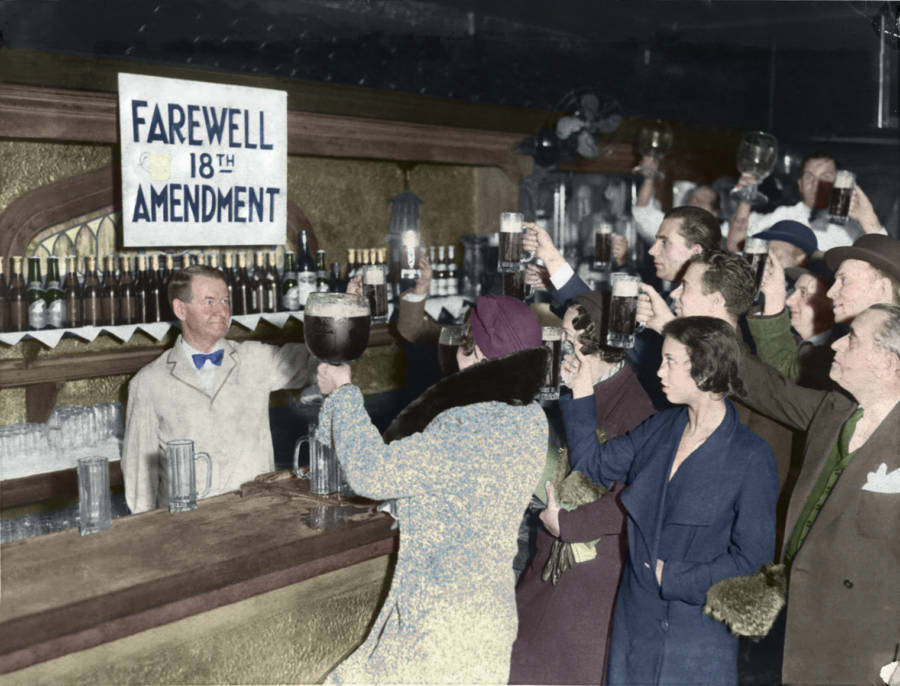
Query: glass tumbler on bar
511,255
623,309
94,508
603,232
841,192
756,252
375,288
551,337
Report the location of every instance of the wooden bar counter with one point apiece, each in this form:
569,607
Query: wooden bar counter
70,604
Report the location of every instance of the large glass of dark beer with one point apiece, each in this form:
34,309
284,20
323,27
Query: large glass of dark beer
841,192
602,244
623,309
448,343
375,288
514,284
551,336
511,254
336,326
756,252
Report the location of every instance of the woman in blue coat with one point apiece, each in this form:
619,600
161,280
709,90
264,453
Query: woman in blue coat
700,497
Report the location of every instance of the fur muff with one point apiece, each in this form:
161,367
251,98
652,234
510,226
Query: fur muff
748,605
513,379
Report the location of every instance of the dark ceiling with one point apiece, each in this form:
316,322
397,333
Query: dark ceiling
709,62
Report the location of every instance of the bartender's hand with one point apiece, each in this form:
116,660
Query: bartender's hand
424,281
652,310
332,376
773,286
550,515
354,285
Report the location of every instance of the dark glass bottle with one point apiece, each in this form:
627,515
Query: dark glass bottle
166,273
243,296
18,300
109,294
228,273
127,299
306,270
92,311
335,283
4,301
290,299
321,272
271,290
257,282
351,259
141,302
37,306
54,296
72,290
155,295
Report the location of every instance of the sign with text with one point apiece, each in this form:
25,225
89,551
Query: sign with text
202,163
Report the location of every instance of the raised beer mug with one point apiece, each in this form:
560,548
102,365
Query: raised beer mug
511,255
623,309
336,326
375,289
603,233
756,252
841,192
551,338
180,458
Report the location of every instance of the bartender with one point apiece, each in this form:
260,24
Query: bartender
208,389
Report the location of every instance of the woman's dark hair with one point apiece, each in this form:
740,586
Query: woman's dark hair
714,351
589,337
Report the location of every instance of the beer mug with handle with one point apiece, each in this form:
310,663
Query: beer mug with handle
325,473
182,475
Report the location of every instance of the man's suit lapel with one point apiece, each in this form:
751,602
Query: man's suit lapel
228,367
181,368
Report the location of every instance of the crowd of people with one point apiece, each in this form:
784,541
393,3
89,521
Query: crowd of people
748,429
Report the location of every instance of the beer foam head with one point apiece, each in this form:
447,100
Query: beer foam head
373,277
336,306
409,237
626,288
843,179
511,222
551,333
603,228
756,246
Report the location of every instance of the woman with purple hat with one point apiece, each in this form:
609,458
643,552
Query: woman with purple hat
461,462
566,593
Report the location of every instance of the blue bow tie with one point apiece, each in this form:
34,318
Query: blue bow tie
214,357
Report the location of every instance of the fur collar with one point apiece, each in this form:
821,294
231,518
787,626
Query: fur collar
513,379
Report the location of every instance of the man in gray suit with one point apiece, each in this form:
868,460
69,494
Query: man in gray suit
842,545
208,389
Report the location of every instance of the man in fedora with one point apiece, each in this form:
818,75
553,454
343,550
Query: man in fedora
866,273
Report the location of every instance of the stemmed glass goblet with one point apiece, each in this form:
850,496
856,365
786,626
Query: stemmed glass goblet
654,140
756,154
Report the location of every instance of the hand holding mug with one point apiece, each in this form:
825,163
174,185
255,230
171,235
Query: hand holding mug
332,376
538,241
652,310
619,249
537,276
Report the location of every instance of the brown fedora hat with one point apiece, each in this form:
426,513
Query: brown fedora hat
882,252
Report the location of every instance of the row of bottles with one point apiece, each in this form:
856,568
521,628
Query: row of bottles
119,295
444,279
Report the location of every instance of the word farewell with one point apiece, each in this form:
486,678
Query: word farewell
199,125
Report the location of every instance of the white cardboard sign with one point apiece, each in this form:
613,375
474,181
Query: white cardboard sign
202,163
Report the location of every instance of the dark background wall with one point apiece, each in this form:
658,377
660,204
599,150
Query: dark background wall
807,71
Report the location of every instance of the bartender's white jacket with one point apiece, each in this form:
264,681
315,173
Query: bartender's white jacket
168,400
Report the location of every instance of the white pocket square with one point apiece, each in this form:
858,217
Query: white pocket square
883,481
